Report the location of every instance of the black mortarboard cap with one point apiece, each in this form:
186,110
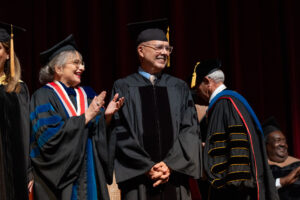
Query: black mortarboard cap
270,125
149,30
5,31
204,68
65,45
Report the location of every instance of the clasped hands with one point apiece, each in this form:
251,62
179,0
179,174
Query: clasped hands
291,178
159,173
98,102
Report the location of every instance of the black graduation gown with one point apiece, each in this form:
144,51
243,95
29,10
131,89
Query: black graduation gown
60,146
232,156
291,192
14,143
156,123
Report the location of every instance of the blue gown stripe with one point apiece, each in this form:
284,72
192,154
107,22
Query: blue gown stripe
243,100
74,191
47,134
91,179
35,152
53,120
41,109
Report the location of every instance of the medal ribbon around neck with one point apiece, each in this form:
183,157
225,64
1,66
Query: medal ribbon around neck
81,99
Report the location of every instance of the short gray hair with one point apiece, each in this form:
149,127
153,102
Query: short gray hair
47,72
218,76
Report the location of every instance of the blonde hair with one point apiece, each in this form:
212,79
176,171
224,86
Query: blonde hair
13,83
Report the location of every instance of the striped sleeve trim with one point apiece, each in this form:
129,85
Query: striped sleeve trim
217,151
219,168
217,137
236,129
231,177
41,109
47,134
42,122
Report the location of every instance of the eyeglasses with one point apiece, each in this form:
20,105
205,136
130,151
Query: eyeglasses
77,63
160,48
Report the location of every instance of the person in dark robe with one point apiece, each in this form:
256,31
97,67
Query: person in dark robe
285,168
15,170
235,159
71,150
156,129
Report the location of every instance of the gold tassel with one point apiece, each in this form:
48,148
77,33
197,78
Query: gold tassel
194,78
12,57
168,38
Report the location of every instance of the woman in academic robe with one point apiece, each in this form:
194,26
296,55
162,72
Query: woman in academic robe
15,170
71,151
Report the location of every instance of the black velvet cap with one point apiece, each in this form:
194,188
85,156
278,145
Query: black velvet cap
270,125
5,31
65,45
204,68
149,30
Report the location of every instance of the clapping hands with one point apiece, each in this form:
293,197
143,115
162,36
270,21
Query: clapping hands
113,107
95,106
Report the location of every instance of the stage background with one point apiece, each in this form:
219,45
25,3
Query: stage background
257,41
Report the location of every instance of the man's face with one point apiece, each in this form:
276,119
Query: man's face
277,147
203,90
155,54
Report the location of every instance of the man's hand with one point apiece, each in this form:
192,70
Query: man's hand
291,178
159,173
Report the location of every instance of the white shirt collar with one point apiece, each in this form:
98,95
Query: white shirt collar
217,91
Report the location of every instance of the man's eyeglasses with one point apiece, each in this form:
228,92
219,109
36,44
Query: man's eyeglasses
160,48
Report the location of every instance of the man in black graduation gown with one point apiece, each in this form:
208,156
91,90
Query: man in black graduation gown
156,129
285,168
235,159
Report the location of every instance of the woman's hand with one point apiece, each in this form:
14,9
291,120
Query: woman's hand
94,107
113,107
30,186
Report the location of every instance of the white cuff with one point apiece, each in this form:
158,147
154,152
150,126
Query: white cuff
277,183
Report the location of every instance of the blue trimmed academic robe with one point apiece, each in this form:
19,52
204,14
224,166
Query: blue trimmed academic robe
235,158
71,160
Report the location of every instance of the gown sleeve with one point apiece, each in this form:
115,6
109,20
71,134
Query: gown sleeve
23,97
228,147
185,155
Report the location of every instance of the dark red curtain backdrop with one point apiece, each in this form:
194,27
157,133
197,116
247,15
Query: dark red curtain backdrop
258,42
